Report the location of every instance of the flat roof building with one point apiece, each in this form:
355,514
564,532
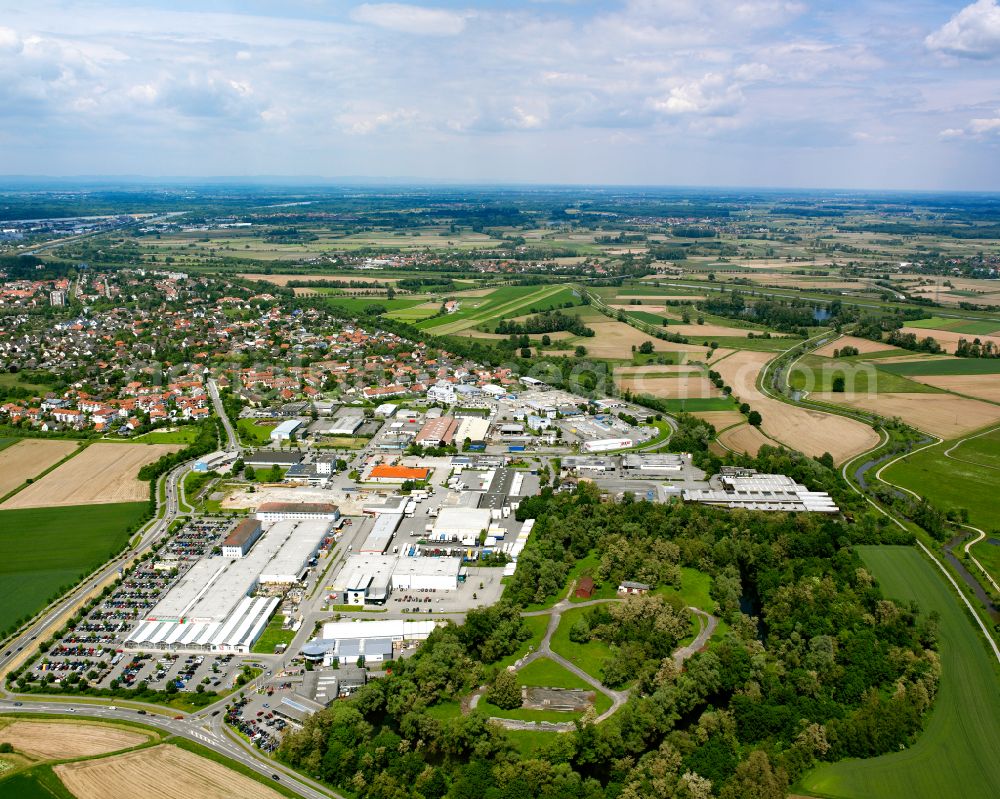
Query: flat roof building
364,580
426,574
285,430
461,524
380,537
397,474
298,511
752,491
437,432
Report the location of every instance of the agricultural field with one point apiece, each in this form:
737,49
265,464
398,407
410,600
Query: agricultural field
948,339
956,753
966,478
862,345
912,367
672,387
969,327
814,374
52,740
744,438
809,431
720,420
944,415
22,459
506,302
103,473
283,280
985,387
44,549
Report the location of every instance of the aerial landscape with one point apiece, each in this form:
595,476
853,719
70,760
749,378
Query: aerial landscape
479,400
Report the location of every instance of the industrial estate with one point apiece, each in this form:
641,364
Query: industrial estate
376,488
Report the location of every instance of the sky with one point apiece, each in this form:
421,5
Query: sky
881,94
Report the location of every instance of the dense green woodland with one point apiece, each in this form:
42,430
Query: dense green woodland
824,668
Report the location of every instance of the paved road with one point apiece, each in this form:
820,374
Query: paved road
233,441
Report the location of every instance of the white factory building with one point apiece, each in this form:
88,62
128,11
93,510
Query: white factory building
461,524
285,430
472,428
222,604
375,641
607,444
369,579
298,511
744,488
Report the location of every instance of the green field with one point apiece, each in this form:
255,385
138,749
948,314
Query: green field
988,555
983,449
951,483
813,373
358,305
944,366
536,626
254,434
37,783
699,404
43,549
956,754
649,318
272,636
7,442
182,435
546,673
740,343
503,303
974,328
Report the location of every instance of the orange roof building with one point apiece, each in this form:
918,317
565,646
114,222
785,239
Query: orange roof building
397,474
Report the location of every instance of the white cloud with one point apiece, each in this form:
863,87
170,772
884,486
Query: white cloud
974,32
405,18
10,42
711,94
983,127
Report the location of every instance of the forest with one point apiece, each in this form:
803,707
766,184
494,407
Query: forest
813,664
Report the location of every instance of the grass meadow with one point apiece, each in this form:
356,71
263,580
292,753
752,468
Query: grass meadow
42,549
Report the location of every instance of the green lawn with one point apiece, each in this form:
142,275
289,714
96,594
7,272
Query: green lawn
699,404
43,549
254,434
956,754
547,673
944,366
950,483
182,435
740,343
813,373
7,442
984,449
589,656
272,636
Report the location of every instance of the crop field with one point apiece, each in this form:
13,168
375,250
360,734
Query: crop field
161,772
613,339
744,438
56,740
501,303
358,305
103,473
956,753
970,327
720,420
42,549
862,345
809,431
986,387
944,415
948,339
674,387
967,479
944,366
28,457
812,373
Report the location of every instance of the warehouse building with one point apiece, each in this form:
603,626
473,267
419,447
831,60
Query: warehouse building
655,464
397,474
272,457
461,524
364,580
375,641
285,430
222,604
472,429
437,432
426,574
607,444
242,538
381,535
298,511
745,488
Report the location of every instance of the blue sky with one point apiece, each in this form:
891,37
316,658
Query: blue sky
880,94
